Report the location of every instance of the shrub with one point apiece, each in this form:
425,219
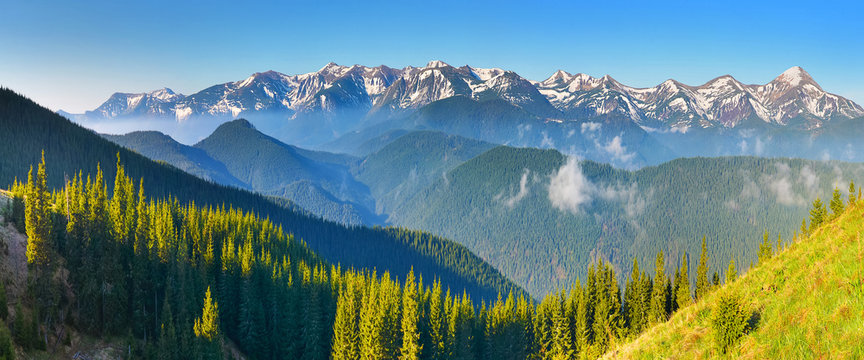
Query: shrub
7,351
729,321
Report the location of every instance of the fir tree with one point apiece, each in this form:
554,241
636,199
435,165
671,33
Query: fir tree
37,217
682,295
836,204
817,214
411,347
851,193
345,328
702,285
731,272
207,325
657,311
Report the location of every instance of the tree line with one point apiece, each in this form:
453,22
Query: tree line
181,281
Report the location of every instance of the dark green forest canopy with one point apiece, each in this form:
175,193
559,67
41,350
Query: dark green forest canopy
28,129
499,205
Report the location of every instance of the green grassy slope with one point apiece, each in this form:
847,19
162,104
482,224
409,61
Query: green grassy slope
808,299
623,214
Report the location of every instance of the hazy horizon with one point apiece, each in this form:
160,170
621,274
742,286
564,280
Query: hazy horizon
73,57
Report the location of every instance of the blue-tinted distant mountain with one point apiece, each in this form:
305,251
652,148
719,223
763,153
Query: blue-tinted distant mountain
238,155
411,162
318,108
160,147
317,181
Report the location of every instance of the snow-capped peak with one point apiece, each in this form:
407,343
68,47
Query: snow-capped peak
165,94
794,76
558,77
436,64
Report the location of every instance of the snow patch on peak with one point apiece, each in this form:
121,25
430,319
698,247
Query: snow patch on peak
794,76
436,64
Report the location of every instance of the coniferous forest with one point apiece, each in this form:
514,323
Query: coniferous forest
180,281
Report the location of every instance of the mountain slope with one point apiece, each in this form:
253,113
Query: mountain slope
29,129
273,168
806,302
556,214
411,162
161,147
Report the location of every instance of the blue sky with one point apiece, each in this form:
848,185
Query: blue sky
73,55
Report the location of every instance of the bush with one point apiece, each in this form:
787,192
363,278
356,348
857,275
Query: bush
729,321
7,351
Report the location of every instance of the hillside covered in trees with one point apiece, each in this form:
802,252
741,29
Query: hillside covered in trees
556,215
69,150
217,275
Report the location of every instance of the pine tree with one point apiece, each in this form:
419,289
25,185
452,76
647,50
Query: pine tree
37,217
851,193
411,347
731,272
817,214
765,249
658,293
682,296
836,204
437,324
702,285
345,328
634,299
207,325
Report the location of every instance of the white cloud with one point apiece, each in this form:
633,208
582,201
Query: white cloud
511,201
590,127
569,189
616,148
547,141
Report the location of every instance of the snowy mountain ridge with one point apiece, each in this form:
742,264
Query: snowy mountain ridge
792,99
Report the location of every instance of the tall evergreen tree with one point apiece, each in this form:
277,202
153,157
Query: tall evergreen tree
837,205
702,284
345,328
658,312
411,346
38,217
817,214
682,296
731,272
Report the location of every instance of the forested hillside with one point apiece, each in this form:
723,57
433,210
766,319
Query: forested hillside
804,301
70,149
412,162
161,147
219,276
236,154
555,215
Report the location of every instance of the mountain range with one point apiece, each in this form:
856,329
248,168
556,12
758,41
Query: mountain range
341,107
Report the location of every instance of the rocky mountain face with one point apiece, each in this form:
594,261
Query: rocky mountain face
594,118
791,99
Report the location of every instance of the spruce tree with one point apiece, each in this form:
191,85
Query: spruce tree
731,272
702,285
817,214
411,347
658,293
345,328
437,324
207,325
836,204
682,296
851,193
37,217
